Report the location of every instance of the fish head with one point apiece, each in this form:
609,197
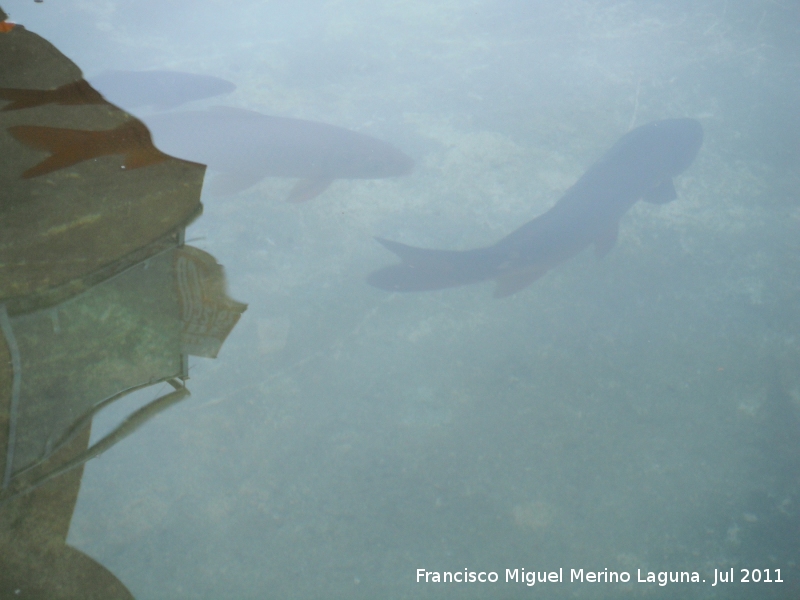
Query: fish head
648,157
680,141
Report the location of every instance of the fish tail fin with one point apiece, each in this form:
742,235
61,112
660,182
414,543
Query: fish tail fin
133,140
69,147
21,98
144,157
423,269
49,139
63,144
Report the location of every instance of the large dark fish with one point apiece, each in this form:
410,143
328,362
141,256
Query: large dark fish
640,165
159,89
245,146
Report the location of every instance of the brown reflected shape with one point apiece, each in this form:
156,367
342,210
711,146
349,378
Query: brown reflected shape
69,94
72,146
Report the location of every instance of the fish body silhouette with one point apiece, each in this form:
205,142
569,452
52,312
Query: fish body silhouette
71,146
159,89
243,147
640,165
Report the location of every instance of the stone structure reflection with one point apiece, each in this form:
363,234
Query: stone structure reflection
99,297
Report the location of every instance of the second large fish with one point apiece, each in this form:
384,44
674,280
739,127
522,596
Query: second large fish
640,166
243,147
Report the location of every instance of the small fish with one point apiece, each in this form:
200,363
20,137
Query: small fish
159,89
74,93
245,146
640,165
71,146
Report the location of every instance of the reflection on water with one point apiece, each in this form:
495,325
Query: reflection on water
633,413
100,299
158,89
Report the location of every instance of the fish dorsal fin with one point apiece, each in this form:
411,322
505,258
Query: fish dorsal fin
661,194
606,241
513,281
306,189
